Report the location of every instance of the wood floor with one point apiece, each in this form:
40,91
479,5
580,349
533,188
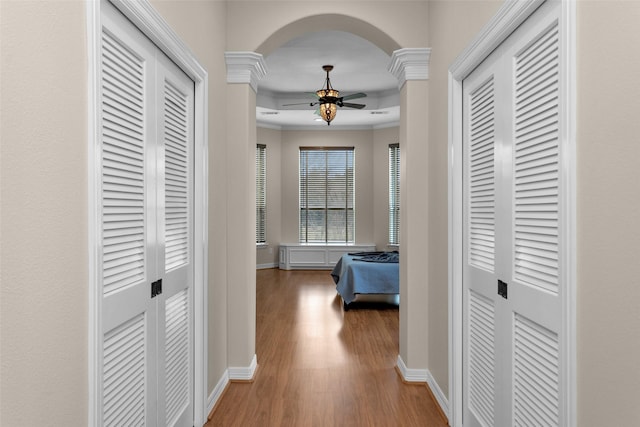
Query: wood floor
321,366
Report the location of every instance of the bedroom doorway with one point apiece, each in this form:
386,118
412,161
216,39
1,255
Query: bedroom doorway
411,65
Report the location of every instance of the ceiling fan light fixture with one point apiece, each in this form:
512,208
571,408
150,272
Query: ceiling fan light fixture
328,96
329,99
328,112
328,93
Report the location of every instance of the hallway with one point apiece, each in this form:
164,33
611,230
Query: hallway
319,366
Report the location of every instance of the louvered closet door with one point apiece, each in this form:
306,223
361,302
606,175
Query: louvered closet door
146,146
512,208
175,189
129,239
484,321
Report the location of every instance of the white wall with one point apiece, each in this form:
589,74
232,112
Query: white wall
43,210
202,26
447,41
608,199
262,26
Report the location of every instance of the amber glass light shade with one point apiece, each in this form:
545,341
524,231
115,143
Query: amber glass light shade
328,93
328,112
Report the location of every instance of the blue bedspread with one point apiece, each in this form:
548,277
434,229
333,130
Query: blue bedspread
365,277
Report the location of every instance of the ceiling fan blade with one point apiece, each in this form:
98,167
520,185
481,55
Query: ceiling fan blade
310,104
354,96
317,111
350,105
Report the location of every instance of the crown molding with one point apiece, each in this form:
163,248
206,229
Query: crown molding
245,67
410,64
507,19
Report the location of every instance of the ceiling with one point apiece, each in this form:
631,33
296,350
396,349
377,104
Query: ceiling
294,72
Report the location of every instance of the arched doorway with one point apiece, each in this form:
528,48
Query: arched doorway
410,67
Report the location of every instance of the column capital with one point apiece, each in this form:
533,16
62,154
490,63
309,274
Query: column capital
245,67
410,64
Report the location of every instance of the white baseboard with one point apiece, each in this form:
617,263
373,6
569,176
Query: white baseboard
238,374
412,375
439,395
244,373
266,266
217,392
424,376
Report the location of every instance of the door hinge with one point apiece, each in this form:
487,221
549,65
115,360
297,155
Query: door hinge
156,288
502,289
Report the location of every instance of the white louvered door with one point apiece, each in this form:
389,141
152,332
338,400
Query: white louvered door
512,353
175,189
485,177
146,187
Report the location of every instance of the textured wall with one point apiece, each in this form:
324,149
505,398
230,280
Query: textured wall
265,25
608,213
202,25
43,175
447,41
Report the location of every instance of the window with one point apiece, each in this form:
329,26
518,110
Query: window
326,195
261,192
394,194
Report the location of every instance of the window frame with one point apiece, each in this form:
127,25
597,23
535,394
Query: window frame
261,195
394,194
349,196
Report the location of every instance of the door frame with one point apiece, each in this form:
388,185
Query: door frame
507,19
152,25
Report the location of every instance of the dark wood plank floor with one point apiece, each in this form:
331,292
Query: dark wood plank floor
320,366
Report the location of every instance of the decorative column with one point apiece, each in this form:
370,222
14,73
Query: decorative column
244,70
411,67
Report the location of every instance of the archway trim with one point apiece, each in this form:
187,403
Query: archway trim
410,64
245,67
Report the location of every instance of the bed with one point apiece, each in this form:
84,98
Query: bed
367,276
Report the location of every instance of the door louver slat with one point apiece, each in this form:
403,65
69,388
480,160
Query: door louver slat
123,216
536,375
482,178
123,389
176,139
177,357
481,369
536,163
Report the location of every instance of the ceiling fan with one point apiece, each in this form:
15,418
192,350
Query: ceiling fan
328,99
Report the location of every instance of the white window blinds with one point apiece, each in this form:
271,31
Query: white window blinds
394,194
261,193
327,195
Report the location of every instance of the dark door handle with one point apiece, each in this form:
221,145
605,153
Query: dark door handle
156,288
502,289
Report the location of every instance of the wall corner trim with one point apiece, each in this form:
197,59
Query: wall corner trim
441,398
245,67
423,376
411,375
217,393
410,64
244,373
